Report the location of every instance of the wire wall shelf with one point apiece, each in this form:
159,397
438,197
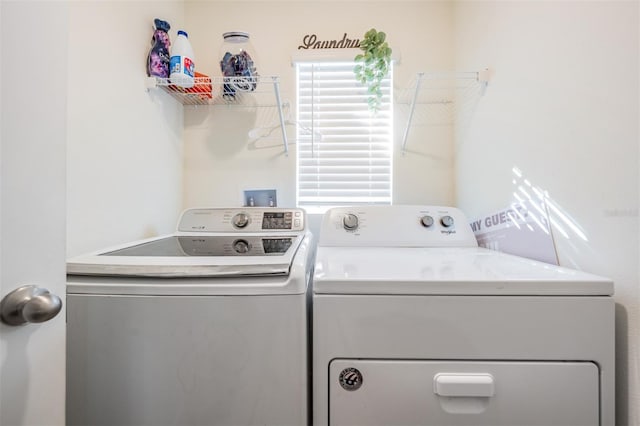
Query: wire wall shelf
433,99
239,91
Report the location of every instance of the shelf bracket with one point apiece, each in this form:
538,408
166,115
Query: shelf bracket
411,110
276,89
150,83
483,79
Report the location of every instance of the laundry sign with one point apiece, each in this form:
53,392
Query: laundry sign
521,229
311,41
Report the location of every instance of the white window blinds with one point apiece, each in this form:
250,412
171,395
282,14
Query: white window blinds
344,152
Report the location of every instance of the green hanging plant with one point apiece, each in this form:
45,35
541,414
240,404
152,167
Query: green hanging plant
372,66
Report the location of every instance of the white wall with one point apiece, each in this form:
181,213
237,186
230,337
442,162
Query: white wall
562,107
220,159
124,150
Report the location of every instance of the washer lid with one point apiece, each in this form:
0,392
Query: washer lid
445,271
194,256
194,276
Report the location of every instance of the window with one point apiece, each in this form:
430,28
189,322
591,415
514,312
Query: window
344,152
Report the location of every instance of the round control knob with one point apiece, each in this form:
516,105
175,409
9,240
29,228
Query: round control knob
240,220
426,221
241,246
350,221
446,221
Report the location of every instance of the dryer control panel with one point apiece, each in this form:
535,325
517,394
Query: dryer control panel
242,220
396,226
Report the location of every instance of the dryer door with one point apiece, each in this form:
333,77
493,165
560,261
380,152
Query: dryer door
401,392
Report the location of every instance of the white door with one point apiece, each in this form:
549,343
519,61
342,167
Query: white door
33,70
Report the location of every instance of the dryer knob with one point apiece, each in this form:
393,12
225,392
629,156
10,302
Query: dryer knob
350,222
240,220
446,221
426,221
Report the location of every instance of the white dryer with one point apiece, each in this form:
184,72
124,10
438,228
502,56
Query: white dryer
413,324
207,326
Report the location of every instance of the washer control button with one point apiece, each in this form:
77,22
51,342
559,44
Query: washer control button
446,221
350,222
240,220
426,221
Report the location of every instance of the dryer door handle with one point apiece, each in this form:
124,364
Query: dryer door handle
464,384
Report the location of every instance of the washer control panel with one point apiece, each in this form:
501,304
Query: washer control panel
243,220
396,226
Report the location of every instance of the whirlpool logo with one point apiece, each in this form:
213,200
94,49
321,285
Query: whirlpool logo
350,379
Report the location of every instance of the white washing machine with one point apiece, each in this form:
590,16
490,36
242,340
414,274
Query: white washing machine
413,324
207,326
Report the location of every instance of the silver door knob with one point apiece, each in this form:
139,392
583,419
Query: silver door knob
29,304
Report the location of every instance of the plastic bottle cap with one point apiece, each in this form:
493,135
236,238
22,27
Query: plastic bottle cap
184,33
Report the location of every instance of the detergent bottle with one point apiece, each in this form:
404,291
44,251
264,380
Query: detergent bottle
158,58
182,65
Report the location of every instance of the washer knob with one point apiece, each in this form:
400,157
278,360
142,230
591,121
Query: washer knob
426,221
240,220
350,221
241,246
446,221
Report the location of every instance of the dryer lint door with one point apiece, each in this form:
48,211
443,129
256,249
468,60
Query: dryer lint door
400,392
